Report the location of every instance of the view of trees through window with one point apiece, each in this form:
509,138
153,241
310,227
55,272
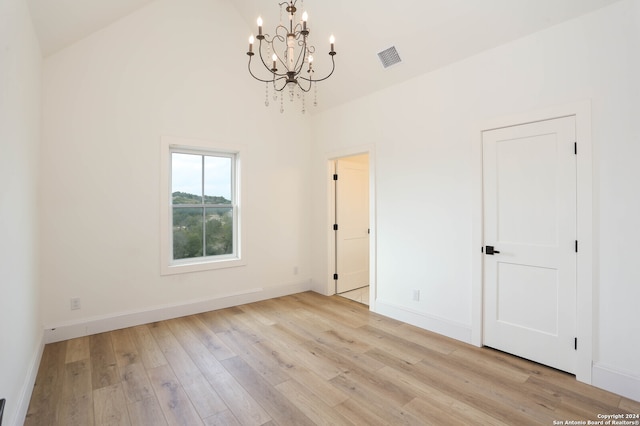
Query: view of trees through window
202,205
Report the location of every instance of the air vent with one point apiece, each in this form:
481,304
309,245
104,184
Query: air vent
389,57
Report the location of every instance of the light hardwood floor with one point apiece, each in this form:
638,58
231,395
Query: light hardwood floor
298,360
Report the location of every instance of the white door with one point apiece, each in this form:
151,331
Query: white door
352,218
529,179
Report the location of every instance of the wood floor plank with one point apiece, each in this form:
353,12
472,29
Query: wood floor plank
110,407
146,412
243,406
374,403
359,414
279,408
147,347
320,387
443,408
346,351
225,418
482,361
125,350
199,353
203,397
220,321
299,359
455,387
209,338
77,349
308,402
174,402
45,399
135,383
104,368
258,314
76,404
432,413
265,366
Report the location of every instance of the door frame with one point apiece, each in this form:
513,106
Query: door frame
585,256
330,217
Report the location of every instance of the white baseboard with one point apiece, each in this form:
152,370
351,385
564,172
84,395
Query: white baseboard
115,321
27,387
321,288
616,381
420,319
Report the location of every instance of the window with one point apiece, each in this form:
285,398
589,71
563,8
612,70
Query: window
201,227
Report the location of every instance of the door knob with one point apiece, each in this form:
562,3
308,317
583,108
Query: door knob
491,251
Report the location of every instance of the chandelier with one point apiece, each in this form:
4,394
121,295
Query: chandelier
287,58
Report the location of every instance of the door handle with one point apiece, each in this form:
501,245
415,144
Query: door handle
491,251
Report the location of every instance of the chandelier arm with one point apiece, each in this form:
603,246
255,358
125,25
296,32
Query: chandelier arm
254,76
283,86
301,87
265,64
315,80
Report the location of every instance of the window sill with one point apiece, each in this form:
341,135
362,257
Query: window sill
205,265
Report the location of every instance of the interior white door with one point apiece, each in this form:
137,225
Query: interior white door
352,218
529,179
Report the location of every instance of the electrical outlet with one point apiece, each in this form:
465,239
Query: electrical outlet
75,303
416,295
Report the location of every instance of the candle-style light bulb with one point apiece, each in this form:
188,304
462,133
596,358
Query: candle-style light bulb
305,18
332,40
310,63
259,25
251,40
275,58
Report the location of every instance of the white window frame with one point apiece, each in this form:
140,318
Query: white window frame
168,265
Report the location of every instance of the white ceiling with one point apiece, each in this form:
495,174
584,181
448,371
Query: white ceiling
60,23
428,34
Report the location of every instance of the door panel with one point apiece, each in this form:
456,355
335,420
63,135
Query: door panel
352,217
529,178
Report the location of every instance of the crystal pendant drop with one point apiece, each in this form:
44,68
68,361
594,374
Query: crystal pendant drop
315,94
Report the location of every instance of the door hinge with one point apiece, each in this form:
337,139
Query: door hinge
335,276
575,148
335,226
576,246
335,177
575,343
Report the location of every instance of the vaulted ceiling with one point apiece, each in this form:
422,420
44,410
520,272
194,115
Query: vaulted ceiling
428,34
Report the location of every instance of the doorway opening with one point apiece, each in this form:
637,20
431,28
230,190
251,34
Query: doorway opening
351,227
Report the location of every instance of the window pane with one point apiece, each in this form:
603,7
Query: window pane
187,232
186,178
217,180
219,231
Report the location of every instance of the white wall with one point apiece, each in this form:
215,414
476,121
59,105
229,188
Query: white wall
423,131
171,68
20,325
